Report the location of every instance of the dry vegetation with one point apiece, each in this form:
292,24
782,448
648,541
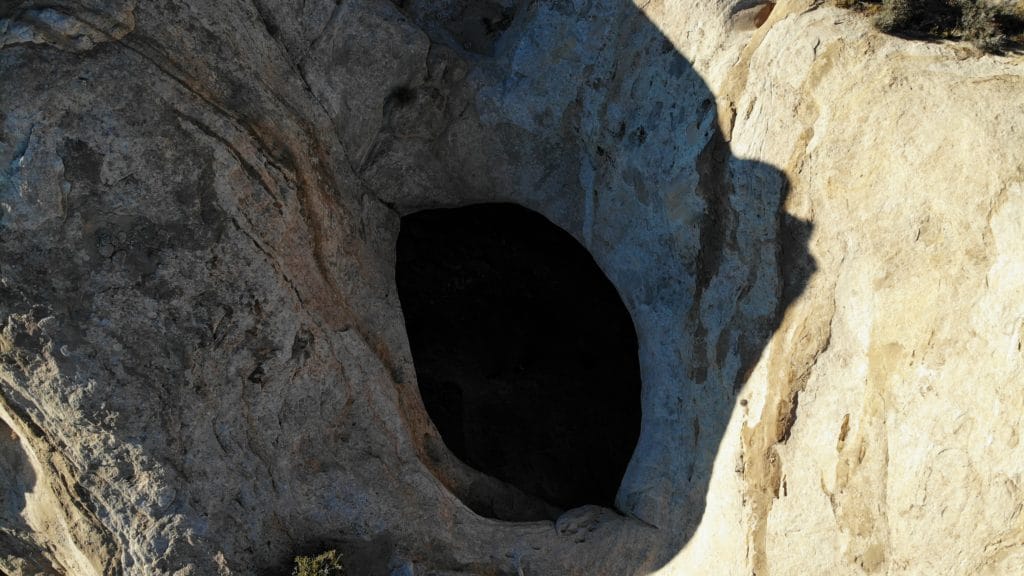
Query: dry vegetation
326,564
995,26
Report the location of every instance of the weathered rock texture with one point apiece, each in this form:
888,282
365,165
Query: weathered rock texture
818,230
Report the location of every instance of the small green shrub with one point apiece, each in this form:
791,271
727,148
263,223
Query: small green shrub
326,564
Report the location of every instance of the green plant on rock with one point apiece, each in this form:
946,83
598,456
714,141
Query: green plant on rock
326,564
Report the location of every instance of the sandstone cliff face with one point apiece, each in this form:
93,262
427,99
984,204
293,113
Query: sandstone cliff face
818,230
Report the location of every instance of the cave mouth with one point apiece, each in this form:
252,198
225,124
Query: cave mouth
526,356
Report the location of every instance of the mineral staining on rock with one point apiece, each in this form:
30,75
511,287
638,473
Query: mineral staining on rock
203,365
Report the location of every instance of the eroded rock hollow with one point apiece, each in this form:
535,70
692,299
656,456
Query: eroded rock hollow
526,357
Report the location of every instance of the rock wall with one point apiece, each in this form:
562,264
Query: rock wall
203,365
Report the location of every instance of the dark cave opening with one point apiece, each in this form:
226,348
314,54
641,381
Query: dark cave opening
526,356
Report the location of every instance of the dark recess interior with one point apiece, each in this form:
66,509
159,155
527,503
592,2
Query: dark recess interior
525,354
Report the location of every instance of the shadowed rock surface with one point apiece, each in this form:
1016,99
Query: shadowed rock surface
203,362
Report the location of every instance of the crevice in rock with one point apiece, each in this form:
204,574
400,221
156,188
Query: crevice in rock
525,355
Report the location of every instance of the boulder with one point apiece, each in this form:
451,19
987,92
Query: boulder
817,229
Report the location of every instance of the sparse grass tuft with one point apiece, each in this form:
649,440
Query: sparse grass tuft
326,564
